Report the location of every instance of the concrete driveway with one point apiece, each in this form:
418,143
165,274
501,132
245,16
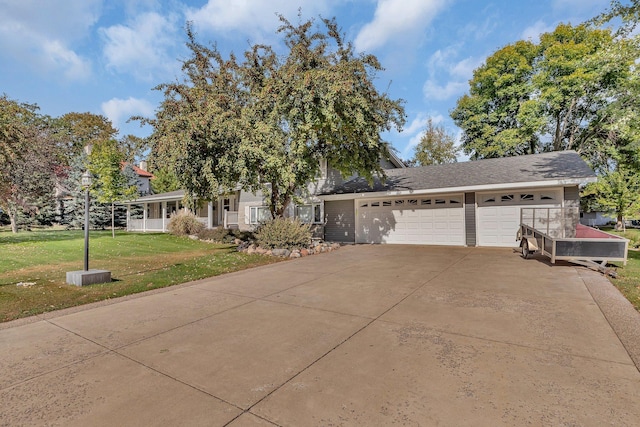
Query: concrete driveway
367,335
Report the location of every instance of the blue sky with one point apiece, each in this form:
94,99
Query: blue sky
105,57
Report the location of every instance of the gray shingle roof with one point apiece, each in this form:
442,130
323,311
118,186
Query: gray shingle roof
557,165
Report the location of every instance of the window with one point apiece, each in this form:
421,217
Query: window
489,199
455,201
399,203
364,205
386,203
425,201
506,198
375,204
546,197
310,214
526,197
259,214
440,201
412,202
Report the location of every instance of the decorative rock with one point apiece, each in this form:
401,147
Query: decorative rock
251,250
193,237
335,245
294,255
260,250
281,252
304,252
268,253
237,241
26,284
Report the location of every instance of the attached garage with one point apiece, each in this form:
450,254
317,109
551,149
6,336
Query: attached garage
498,214
474,203
413,220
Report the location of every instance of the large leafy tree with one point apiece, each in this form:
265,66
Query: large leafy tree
552,95
616,192
133,148
27,161
499,116
164,181
77,130
436,146
265,123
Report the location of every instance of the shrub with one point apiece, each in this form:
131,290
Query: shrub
283,233
184,223
634,238
220,234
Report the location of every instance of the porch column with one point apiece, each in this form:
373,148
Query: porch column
210,215
164,216
128,217
144,217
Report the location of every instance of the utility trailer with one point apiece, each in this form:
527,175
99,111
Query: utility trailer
558,234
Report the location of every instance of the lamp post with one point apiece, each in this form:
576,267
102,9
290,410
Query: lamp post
86,276
86,183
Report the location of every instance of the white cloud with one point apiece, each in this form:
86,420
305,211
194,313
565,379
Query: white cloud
119,110
464,69
41,34
442,66
433,90
533,32
397,19
253,17
141,48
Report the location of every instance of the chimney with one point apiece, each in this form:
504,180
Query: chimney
143,165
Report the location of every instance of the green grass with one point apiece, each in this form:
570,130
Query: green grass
628,281
138,262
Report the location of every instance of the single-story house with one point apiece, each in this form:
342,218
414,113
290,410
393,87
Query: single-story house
475,203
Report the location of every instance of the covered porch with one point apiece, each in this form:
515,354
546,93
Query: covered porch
152,213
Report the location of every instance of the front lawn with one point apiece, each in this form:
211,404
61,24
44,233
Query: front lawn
628,281
138,262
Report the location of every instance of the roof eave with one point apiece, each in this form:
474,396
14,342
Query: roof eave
462,189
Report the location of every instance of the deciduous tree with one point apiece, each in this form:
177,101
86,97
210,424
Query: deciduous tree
436,146
27,161
529,98
110,183
266,122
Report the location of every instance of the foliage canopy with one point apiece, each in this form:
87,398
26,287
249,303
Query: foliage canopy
436,146
266,122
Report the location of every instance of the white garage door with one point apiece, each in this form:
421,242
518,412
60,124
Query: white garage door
499,214
417,220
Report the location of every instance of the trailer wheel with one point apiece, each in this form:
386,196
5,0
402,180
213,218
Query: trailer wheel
526,253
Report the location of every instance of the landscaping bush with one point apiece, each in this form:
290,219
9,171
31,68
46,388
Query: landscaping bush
184,223
283,233
220,234
634,238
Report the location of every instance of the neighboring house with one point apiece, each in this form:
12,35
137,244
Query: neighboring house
469,203
597,219
144,177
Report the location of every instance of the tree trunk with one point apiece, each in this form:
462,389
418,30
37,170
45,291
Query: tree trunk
13,219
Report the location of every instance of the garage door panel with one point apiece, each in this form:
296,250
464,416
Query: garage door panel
415,224
498,214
